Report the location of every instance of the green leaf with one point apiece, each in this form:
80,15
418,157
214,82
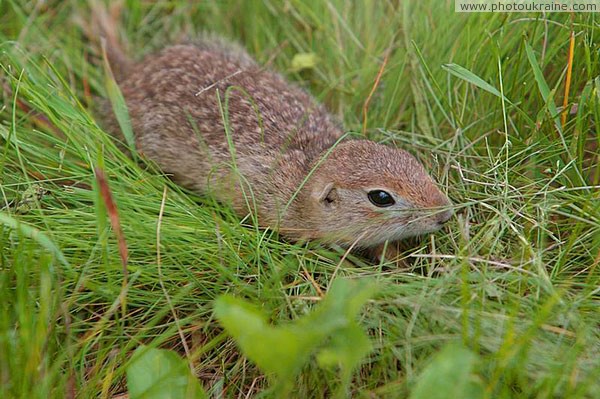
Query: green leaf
282,351
276,350
304,61
161,374
349,296
345,350
468,76
450,375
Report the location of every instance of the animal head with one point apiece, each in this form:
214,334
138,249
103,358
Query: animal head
363,194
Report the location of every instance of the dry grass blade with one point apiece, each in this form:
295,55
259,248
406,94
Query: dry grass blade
565,113
113,215
386,57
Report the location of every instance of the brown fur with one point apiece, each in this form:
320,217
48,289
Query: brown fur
279,162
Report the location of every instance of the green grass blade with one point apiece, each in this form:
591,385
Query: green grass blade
468,76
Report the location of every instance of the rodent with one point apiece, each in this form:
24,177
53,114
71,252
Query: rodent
280,157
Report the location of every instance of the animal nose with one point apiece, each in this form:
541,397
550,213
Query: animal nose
444,216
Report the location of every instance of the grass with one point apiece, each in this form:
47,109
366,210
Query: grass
515,276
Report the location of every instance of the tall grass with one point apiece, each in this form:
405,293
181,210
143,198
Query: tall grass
515,276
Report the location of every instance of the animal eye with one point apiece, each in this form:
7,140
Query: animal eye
380,198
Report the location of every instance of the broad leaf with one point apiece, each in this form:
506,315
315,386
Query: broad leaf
161,374
450,375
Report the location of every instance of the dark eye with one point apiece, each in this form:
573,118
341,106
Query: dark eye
381,198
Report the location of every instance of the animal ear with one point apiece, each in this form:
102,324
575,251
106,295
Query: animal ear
328,195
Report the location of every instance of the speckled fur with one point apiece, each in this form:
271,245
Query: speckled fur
178,100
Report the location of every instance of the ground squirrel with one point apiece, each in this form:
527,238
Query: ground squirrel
215,121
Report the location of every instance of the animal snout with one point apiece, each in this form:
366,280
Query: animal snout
444,216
